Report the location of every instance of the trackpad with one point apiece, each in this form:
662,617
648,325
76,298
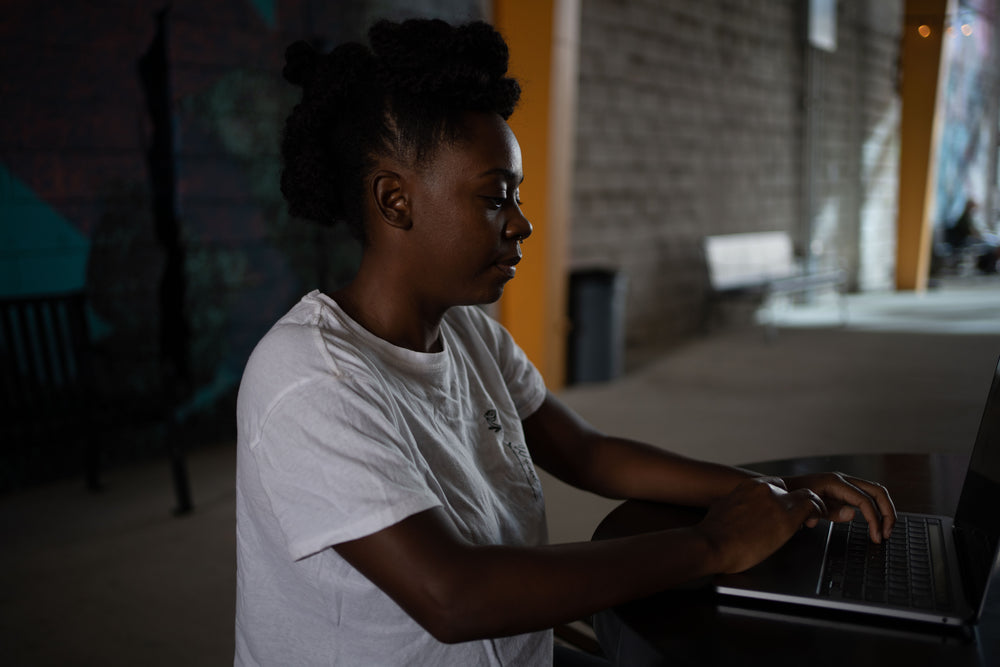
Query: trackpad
794,569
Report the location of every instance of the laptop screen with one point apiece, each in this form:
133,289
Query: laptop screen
976,520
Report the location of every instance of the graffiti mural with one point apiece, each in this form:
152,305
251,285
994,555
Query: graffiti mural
970,112
139,163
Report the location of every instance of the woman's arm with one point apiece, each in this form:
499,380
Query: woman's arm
568,447
459,591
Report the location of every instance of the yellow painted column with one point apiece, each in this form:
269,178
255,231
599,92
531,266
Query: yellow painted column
922,47
543,40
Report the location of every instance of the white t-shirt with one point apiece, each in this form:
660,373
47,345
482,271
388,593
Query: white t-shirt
342,434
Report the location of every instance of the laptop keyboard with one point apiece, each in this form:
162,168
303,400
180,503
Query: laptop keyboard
905,570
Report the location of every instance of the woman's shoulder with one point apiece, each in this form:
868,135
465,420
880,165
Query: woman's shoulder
292,333
307,351
308,341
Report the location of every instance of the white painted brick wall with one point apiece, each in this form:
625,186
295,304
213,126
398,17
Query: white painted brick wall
691,123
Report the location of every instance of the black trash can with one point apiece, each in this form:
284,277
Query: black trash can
596,348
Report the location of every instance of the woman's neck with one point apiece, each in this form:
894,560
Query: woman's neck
392,314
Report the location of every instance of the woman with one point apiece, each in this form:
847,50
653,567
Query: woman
388,508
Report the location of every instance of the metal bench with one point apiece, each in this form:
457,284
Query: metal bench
763,264
53,418
50,426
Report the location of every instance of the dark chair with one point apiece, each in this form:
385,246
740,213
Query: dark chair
52,408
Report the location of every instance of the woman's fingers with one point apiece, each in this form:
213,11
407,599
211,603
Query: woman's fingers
843,493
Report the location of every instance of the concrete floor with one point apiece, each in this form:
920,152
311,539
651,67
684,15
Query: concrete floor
115,579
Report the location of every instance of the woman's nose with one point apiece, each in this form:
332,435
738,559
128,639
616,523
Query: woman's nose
518,227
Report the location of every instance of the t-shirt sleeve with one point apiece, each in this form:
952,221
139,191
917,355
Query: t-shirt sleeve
333,467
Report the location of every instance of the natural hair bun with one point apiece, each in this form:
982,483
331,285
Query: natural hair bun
445,63
401,97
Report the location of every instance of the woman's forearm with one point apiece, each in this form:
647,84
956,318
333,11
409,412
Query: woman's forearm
506,591
621,468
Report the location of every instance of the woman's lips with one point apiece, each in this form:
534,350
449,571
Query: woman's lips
508,266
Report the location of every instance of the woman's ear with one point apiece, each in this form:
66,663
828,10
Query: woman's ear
391,202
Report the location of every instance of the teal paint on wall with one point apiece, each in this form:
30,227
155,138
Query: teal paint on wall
268,11
41,252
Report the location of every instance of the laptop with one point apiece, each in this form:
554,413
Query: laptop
956,559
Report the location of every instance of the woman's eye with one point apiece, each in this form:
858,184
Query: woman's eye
496,203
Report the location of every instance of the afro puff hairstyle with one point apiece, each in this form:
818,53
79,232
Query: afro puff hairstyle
399,97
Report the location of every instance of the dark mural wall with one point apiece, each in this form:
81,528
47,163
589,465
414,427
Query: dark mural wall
139,163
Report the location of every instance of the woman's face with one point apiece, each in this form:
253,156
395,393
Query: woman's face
466,215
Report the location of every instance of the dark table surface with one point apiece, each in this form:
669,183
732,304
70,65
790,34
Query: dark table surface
694,626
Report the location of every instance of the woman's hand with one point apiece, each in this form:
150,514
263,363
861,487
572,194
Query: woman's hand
748,525
842,494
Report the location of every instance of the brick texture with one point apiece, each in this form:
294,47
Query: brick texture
693,119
